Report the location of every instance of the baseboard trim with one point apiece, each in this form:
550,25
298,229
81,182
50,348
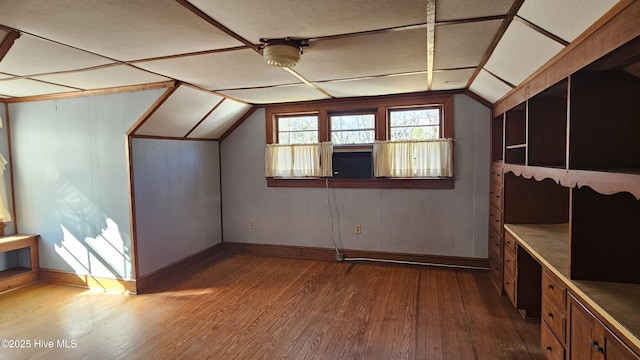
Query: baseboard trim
86,281
313,253
147,281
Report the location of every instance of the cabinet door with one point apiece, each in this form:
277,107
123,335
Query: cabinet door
580,339
614,349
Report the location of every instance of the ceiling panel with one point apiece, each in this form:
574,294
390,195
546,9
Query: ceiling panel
125,30
520,52
366,55
447,10
463,45
310,19
220,120
451,79
5,76
552,15
179,113
377,85
489,87
277,94
26,87
30,55
112,76
222,70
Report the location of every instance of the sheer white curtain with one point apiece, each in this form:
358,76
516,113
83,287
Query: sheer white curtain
298,160
413,158
4,202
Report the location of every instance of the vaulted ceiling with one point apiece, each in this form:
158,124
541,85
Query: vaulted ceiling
210,49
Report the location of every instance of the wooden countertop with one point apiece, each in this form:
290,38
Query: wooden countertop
618,303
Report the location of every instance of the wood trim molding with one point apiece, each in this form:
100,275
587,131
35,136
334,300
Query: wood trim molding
431,40
314,253
146,282
7,43
492,46
238,123
87,281
373,183
618,26
81,93
152,109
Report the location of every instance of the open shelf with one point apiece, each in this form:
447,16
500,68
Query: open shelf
497,139
527,201
605,236
515,138
548,127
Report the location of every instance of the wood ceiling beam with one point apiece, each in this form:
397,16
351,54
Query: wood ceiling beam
7,43
211,21
503,28
542,31
431,40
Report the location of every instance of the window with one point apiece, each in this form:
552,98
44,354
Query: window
297,129
415,124
353,129
409,139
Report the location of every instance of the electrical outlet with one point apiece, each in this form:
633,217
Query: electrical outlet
252,224
358,229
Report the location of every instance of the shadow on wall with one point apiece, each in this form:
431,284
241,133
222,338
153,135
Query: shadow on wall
91,242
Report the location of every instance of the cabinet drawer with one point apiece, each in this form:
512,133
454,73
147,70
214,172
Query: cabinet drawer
553,318
554,290
509,262
509,242
551,348
495,195
495,243
495,272
510,287
496,174
495,218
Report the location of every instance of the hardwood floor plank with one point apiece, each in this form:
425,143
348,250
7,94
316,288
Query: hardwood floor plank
242,306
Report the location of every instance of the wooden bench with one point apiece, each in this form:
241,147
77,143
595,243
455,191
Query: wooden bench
19,276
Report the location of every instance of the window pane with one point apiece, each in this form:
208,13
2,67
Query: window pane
415,133
414,124
353,129
298,129
352,137
353,122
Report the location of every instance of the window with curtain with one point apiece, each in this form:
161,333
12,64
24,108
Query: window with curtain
297,129
413,158
298,160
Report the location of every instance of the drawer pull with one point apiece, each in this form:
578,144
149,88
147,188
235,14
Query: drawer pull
550,286
550,315
596,346
548,348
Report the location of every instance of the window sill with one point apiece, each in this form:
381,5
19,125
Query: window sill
373,183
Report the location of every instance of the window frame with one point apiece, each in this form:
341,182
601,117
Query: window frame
353,113
379,105
280,116
400,108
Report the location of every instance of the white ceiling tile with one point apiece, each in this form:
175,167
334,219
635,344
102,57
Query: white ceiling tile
464,9
451,79
30,55
489,87
278,94
108,77
26,87
220,120
553,15
520,52
463,45
125,30
311,19
222,70
396,84
366,55
5,76
179,113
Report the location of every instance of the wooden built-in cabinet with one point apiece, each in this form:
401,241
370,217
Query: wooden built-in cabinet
568,156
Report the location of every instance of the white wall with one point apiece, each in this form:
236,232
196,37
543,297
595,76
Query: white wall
449,222
71,179
177,198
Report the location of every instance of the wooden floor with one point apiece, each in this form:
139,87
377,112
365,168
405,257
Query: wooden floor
252,307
